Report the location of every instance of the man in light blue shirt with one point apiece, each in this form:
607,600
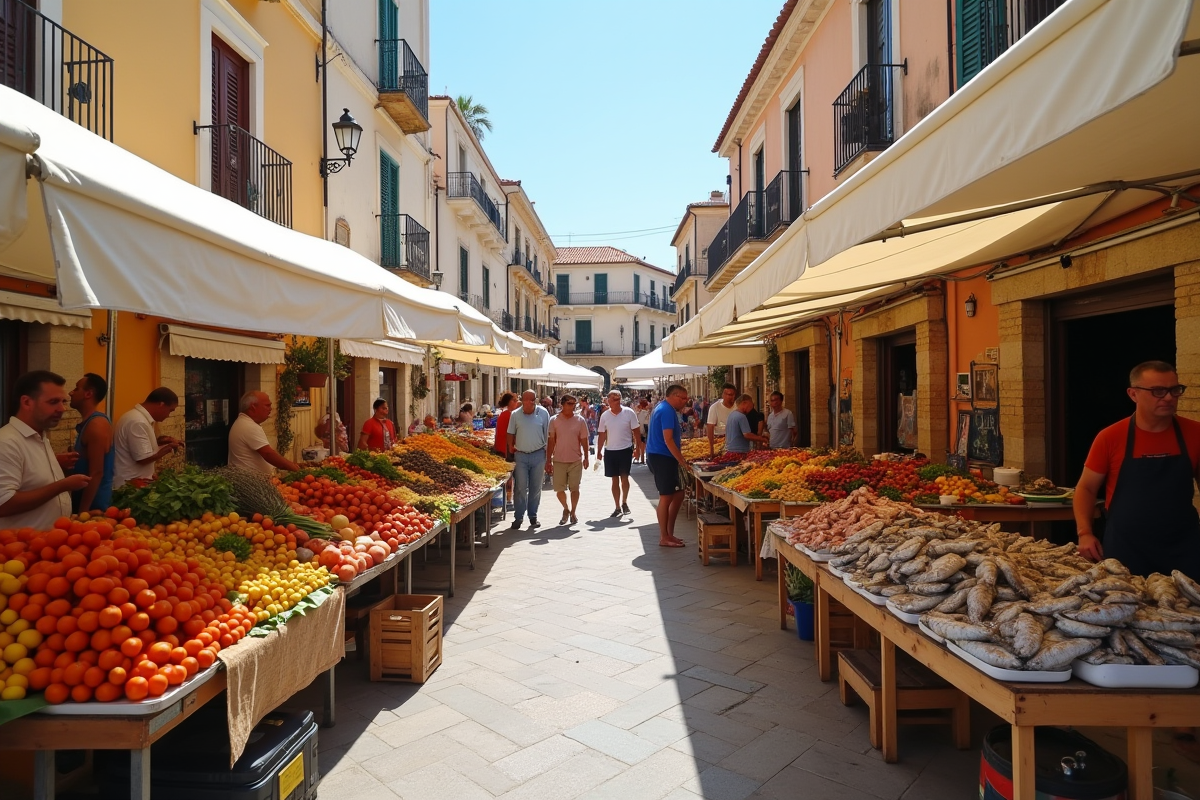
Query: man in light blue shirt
738,433
528,434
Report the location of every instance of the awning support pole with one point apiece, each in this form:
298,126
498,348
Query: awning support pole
333,444
110,363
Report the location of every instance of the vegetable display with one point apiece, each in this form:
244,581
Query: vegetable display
185,494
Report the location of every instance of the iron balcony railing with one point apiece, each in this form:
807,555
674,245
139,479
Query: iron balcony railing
996,25
616,298
743,224
863,113
585,348
476,302
517,258
403,244
782,201
504,320
550,332
401,71
465,184
42,59
639,349
249,173
699,268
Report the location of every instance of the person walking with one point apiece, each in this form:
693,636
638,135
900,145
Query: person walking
93,443
568,441
620,431
528,435
641,408
665,460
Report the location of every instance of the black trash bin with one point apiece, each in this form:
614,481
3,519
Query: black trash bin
192,761
1068,766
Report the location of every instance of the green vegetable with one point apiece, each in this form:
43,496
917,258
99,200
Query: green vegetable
926,500
254,494
891,493
176,496
334,474
464,463
931,472
799,585
232,543
379,463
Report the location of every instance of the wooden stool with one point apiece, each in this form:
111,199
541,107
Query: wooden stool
358,615
917,689
716,536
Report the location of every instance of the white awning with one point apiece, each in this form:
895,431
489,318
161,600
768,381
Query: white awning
382,350
196,343
28,308
555,371
16,141
651,365
739,354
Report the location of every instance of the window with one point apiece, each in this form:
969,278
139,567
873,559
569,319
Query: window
637,333
462,159
653,296
637,287
651,336
487,287
464,272
687,254
517,239
981,28
389,212
341,232
389,32
230,106
563,284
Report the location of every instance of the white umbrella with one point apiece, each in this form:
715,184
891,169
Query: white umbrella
652,366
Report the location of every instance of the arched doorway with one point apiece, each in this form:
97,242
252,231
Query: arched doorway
607,377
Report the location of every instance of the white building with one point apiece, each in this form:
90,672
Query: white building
612,306
530,309
690,291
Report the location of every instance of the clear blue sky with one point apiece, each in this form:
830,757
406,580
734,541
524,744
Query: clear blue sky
606,112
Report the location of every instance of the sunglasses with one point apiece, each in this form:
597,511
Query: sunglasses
1162,391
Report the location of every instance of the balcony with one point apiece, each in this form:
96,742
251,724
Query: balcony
246,171
403,86
42,59
754,223
616,299
585,348
863,114
639,349
404,247
473,206
505,320
997,25
697,268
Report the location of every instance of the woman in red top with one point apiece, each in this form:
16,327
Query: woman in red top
378,433
505,405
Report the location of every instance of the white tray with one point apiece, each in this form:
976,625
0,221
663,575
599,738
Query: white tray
1136,676
929,633
877,599
1015,675
816,555
131,708
837,572
911,619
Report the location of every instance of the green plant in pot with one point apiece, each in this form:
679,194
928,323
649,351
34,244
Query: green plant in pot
800,595
311,362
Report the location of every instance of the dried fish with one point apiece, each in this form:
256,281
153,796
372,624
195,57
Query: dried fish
979,601
1122,597
958,546
953,627
908,550
929,589
986,571
913,566
991,654
892,591
1140,651
1108,615
1069,585
1058,655
941,569
1008,593
1186,586
916,603
1013,577
1111,584
1054,605
1114,567
1010,611
1189,658
954,602
1180,639
1116,643
1024,633
1073,627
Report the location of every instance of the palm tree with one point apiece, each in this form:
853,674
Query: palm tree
476,115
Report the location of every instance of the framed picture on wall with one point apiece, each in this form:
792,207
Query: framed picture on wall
962,386
985,385
962,434
303,399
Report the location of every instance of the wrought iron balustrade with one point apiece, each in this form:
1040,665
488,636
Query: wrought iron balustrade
517,257
697,267
465,184
401,71
403,244
782,201
585,348
863,113
504,319
246,171
44,60
996,25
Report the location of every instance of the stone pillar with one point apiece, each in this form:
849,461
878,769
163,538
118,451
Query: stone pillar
264,378
1023,385
366,390
818,399
58,348
933,381
172,375
1187,334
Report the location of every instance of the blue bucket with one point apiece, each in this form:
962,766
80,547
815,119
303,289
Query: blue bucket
804,619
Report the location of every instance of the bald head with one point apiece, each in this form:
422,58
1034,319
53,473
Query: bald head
255,405
528,401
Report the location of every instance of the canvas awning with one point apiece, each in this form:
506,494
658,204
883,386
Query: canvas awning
196,343
28,308
1136,121
651,365
556,371
383,350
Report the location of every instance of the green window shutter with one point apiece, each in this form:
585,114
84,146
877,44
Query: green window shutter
464,272
389,211
487,289
981,27
389,48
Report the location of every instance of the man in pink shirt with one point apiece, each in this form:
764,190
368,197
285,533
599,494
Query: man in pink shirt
567,456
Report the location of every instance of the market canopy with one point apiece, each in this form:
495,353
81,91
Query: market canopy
556,371
973,154
651,365
127,235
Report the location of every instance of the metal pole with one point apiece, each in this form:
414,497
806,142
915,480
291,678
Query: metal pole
110,364
333,446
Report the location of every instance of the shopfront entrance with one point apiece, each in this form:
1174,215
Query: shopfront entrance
1095,339
12,349
897,394
211,393
799,395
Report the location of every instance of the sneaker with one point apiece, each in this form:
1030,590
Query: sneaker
533,523
624,508
516,526
616,513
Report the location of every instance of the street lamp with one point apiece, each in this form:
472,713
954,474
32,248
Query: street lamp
437,279
346,132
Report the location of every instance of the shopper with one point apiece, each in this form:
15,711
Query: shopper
248,445
641,408
567,456
666,460
619,430
93,443
136,447
781,424
506,404
33,491
758,423
466,414
718,414
343,435
739,433
528,435
378,433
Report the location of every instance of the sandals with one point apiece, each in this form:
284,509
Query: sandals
565,518
574,519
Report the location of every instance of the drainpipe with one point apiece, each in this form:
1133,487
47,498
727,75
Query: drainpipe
739,171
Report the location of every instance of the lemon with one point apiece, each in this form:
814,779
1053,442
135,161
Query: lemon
14,567
8,617
24,666
8,583
15,652
17,680
30,638
19,626
13,693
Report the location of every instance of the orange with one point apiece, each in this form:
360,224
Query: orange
58,587
62,661
118,595
101,640
131,647
67,625
182,612
73,675
160,609
136,688
190,665
120,634
46,624
57,693
110,659
118,676
157,684
89,622
81,693
145,598
206,658
110,617
77,642
166,625
101,585
58,608
40,678
94,676
160,653
108,692
139,621
97,568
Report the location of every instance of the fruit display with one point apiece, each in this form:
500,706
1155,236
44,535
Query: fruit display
455,451
697,449
450,479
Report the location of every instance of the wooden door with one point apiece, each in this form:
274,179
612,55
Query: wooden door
801,394
230,107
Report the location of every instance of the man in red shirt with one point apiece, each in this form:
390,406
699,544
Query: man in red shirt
378,433
504,407
1148,465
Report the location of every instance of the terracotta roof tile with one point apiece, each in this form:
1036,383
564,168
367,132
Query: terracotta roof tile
776,29
600,255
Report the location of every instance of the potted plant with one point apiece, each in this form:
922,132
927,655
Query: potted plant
311,362
800,597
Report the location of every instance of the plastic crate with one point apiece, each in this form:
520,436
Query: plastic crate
406,637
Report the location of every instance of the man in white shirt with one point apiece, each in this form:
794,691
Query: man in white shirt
718,413
619,429
137,446
248,445
781,424
33,491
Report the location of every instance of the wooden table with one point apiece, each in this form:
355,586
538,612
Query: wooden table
1024,706
467,514
754,512
1019,518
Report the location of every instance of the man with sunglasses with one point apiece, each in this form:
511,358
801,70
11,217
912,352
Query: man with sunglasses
1148,465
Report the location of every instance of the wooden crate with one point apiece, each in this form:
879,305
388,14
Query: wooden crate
716,536
406,637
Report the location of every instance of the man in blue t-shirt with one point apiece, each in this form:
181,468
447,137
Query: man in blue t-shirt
739,433
664,458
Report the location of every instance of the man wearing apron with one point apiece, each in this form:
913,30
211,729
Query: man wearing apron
1148,466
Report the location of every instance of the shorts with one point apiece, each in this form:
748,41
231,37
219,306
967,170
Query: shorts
618,463
567,475
665,470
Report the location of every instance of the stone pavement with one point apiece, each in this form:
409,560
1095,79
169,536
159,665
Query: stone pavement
587,662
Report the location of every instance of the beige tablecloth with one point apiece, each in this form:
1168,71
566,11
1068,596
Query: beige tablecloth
264,672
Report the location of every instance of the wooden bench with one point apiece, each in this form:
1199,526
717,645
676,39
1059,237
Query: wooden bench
717,536
918,689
